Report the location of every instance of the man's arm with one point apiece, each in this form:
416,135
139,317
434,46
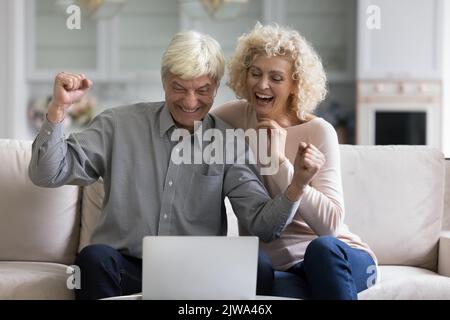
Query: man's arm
81,158
256,211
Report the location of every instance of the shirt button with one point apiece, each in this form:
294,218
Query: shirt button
177,150
48,132
165,216
170,183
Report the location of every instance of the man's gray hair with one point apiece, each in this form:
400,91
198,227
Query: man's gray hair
191,54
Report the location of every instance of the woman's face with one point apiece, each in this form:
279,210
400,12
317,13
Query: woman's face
269,85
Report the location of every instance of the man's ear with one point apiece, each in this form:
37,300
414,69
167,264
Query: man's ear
164,79
217,88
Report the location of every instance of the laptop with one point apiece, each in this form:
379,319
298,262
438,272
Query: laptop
199,268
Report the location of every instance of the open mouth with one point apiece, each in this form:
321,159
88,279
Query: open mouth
263,98
190,110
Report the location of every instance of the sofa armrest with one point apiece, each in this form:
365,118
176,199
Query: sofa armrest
444,254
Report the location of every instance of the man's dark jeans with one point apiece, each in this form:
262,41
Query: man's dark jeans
105,272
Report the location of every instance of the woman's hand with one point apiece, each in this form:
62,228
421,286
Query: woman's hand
308,162
276,142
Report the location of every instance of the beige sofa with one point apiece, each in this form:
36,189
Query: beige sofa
394,198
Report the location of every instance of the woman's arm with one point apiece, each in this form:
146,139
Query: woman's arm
322,203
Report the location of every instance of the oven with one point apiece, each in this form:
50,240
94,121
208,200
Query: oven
399,113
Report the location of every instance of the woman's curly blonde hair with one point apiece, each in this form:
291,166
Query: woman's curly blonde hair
274,40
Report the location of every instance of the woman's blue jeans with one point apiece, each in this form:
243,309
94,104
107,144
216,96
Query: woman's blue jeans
330,270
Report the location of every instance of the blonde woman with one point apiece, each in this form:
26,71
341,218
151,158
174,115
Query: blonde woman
280,80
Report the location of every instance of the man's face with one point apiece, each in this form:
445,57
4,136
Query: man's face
189,100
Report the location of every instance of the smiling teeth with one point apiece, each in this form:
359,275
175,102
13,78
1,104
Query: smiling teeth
263,96
189,111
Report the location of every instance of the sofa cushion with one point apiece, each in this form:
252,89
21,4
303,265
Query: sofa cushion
34,280
408,283
397,282
394,199
36,224
91,207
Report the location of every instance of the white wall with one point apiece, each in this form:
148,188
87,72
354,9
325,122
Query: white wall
12,70
446,82
3,67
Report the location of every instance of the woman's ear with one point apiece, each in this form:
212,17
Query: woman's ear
294,88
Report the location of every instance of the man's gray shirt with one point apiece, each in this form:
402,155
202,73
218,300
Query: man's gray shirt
146,193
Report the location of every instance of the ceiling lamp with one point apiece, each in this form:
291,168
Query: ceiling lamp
215,9
218,8
101,9
95,9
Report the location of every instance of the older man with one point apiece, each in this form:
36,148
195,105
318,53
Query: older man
146,193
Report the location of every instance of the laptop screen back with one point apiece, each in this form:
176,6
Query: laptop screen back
199,268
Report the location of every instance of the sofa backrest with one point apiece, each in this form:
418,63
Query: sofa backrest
394,197
446,220
36,224
393,200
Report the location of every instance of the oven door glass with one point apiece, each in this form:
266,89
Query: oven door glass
408,128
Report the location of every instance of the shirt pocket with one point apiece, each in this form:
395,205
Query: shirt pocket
203,201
